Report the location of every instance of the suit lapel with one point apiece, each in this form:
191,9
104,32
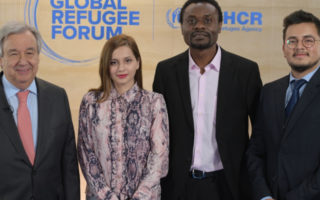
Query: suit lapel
279,105
225,78
44,110
8,125
310,92
182,74
279,101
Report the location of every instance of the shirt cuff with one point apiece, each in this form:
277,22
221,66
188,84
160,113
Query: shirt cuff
268,197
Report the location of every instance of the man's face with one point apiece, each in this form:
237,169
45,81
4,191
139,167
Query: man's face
20,59
302,59
200,26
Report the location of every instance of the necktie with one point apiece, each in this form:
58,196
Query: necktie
297,84
24,125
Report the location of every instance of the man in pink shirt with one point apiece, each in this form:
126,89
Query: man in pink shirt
210,94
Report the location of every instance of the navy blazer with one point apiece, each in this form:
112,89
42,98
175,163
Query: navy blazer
284,154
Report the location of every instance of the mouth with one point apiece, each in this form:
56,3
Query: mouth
199,35
122,76
300,54
23,70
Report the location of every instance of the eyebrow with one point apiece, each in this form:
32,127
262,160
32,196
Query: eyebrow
28,49
305,36
194,16
122,58
11,50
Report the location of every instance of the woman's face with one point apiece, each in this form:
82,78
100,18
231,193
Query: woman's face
123,67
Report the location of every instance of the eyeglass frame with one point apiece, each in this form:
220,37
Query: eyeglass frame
303,42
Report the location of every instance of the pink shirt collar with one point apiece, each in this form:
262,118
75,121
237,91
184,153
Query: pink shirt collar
214,64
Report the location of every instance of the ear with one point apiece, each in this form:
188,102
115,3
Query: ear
220,27
283,49
1,65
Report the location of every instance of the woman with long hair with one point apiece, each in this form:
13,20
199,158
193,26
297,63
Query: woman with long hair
123,129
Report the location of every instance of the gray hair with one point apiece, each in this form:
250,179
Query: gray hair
15,28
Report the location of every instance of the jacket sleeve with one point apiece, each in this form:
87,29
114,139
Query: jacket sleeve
254,86
157,82
256,157
308,189
89,163
71,180
157,163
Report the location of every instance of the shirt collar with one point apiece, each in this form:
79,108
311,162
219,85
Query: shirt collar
306,77
214,64
128,95
12,90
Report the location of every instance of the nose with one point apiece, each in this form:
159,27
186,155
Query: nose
199,24
300,44
22,59
120,66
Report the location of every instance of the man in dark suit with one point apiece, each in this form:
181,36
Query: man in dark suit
209,94
284,152
37,145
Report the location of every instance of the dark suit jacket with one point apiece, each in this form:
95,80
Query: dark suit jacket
238,92
284,154
54,175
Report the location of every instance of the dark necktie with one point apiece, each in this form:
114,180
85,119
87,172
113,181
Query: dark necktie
297,84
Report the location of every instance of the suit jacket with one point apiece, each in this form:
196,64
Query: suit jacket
284,154
54,175
238,93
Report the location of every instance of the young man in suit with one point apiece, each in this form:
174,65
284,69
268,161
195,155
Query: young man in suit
284,152
210,93
37,145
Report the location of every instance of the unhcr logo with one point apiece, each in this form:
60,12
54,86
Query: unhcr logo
246,21
173,17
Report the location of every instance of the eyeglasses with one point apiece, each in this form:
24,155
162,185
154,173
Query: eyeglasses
307,42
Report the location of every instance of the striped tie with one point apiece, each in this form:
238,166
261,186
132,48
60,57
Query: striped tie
295,95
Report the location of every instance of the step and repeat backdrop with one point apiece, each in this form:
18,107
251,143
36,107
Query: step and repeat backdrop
74,32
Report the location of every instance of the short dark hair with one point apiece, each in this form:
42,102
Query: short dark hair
299,17
212,2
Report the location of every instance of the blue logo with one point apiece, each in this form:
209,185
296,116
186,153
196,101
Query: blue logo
173,18
242,21
77,24
232,20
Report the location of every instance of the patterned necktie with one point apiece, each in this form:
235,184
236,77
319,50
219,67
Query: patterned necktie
24,125
297,84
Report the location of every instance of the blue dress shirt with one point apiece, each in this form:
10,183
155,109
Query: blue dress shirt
290,88
11,94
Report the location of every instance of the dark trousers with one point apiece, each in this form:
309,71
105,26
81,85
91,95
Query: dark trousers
211,188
